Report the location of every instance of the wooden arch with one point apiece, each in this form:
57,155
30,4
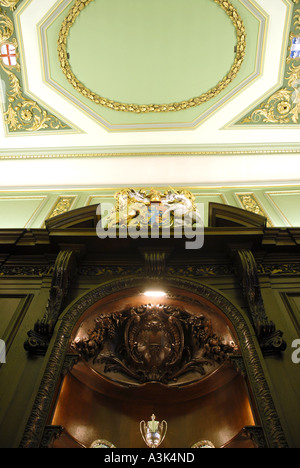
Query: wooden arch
60,360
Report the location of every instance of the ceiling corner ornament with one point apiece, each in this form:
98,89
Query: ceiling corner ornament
283,107
21,113
70,19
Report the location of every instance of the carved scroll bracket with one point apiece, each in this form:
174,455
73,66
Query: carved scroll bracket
64,270
256,434
238,363
51,433
270,339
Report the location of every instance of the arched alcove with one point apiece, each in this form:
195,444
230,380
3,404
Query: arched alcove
102,407
150,366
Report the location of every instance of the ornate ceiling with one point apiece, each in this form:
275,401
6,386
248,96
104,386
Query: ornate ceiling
133,92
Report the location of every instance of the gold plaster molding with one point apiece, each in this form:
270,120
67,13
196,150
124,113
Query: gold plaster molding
12,4
249,202
282,107
151,153
62,205
21,113
70,19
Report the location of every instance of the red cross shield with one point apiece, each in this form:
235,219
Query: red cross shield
8,55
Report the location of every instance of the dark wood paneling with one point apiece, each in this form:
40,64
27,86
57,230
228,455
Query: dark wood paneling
88,415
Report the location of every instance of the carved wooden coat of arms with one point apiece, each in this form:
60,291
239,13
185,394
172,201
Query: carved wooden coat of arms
154,343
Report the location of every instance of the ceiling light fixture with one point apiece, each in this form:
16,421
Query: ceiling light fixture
155,293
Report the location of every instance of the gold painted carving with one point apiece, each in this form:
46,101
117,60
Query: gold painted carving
62,205
295,34
12,4
21,113
297,19
6,27
146,108
283,107
170,209
250,203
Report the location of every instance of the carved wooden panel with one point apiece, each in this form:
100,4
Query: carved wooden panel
154,342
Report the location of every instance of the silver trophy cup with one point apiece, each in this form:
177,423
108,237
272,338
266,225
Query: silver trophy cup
153,432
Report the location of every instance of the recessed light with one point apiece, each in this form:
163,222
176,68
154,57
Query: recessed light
155,293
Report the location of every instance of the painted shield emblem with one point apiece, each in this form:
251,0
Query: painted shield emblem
295,49
8,55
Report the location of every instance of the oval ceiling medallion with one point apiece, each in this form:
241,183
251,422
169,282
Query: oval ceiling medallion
239,55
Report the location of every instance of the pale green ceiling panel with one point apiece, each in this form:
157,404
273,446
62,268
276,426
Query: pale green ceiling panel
141,52
19,212
287,205
280,205
147,48
206,198
96,199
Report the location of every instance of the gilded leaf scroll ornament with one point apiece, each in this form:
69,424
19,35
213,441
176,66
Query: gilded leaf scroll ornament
297,19
6,27
62,205
282,107
250,203
70,19
21,113
12,4
28,115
